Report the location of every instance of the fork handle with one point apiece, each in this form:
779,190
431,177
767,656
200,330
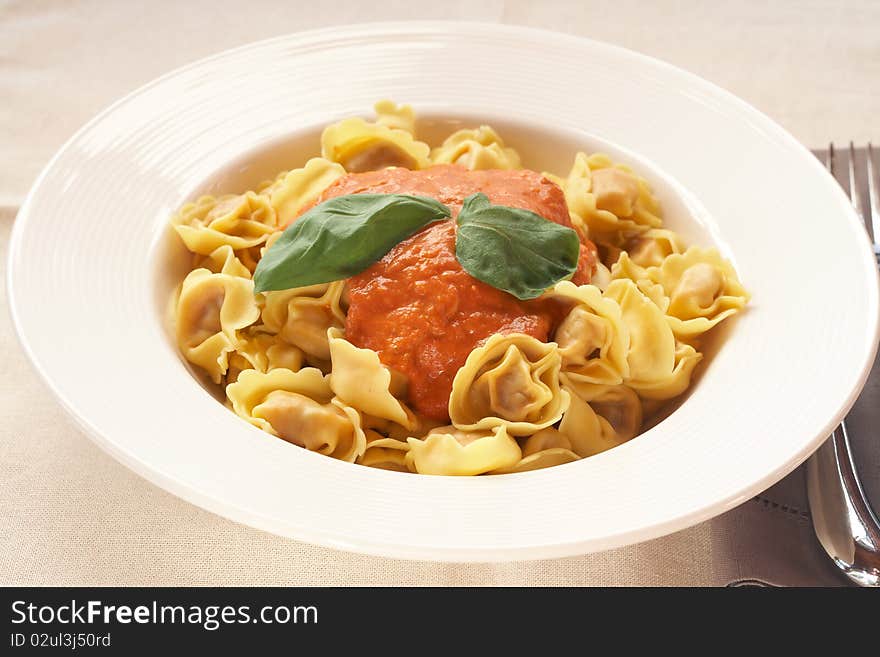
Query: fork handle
852,538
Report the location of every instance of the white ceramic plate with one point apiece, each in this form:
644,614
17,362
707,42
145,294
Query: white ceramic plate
92,265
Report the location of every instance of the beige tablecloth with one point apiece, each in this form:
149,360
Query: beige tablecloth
69,514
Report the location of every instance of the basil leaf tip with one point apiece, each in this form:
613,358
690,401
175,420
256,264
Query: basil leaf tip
341,237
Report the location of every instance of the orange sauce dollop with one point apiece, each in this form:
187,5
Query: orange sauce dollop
417,308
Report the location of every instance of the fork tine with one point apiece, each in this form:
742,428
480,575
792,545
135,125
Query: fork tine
874,197
861,540
854,195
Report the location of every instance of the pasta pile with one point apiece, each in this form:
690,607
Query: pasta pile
628,344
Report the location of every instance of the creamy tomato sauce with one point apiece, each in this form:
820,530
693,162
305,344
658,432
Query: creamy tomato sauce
417,308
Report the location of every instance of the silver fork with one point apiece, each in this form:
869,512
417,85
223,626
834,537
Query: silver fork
843,520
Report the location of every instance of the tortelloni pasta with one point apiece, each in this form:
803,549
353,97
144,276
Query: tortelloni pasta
223,260
476,149
611,417
650,248
302,316
398,117
490,383
585,430
618,410
659,367
452,451
211,310
263,352
291,191
593,340
240,221
300,408
511,381
359,378
608,200
695,289
360,145
544,449
702,290
385,453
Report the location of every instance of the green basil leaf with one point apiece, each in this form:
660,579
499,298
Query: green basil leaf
512,249
343,236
